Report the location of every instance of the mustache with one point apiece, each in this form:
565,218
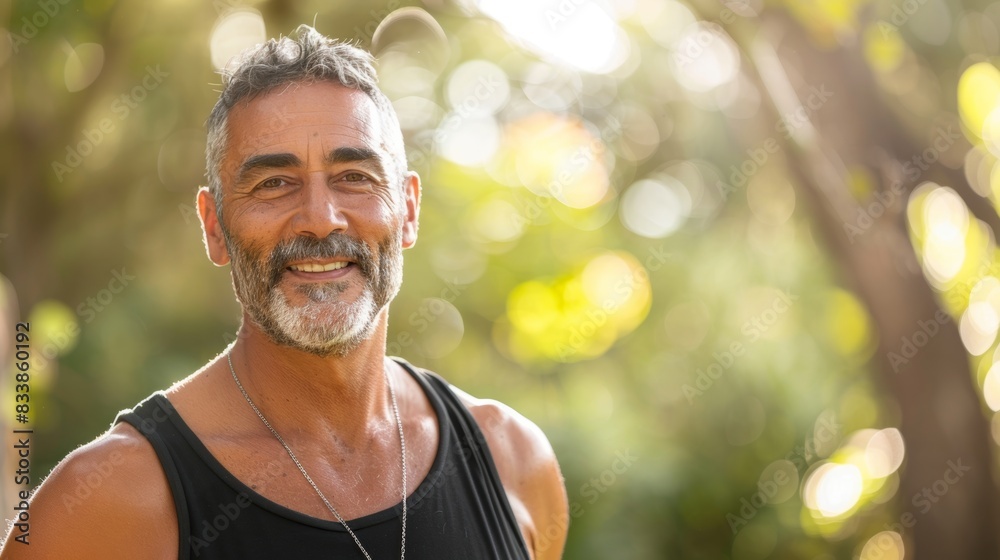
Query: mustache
305,248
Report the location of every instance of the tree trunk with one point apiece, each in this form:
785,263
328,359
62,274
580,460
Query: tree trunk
942,420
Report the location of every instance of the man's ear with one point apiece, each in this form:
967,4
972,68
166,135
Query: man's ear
411,194
215,241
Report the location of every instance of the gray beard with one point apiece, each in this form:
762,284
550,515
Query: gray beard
324,325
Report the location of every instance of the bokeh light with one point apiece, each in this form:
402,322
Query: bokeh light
978,95
556,157
884,452
946,222
578,316
581,35
235,31
468,141
478,87
991,387
83,63
886,545
705,57
655,208
833,489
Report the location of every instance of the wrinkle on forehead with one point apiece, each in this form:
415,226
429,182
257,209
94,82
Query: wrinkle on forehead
328,110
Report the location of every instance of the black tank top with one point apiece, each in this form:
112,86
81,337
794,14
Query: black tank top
459,511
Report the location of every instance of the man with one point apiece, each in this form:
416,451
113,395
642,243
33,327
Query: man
301,439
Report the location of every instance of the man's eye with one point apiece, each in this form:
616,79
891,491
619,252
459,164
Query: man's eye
272,183
355,177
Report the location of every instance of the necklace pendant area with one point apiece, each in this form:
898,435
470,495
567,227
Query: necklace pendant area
315,487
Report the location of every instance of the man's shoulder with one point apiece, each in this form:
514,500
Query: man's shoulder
506,429
120,455
528,469
100,497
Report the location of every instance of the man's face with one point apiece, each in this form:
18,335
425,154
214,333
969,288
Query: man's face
315,215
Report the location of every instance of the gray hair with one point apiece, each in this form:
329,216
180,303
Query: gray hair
309,57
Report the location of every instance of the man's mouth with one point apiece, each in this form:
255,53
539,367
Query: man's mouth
318,267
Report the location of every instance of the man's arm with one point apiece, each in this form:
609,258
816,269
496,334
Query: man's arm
107,499
529,472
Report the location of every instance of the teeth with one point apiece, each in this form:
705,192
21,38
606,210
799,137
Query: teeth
312,267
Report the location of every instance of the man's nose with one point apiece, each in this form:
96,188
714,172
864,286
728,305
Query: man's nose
320,212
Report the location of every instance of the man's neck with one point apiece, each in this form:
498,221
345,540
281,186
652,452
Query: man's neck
341,395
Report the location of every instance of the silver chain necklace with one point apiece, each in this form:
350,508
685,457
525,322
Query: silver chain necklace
402,446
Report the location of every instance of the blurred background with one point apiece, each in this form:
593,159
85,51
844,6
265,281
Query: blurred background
738,259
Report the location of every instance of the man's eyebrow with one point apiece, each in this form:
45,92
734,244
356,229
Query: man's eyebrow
349,154
266,161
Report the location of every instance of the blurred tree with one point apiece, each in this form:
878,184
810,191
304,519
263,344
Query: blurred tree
862,129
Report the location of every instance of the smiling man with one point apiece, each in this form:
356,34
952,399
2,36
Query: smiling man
302,439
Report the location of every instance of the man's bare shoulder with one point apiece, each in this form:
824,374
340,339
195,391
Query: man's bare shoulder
508,429
108,496
529,471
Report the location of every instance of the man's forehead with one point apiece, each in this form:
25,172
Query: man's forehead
325,110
